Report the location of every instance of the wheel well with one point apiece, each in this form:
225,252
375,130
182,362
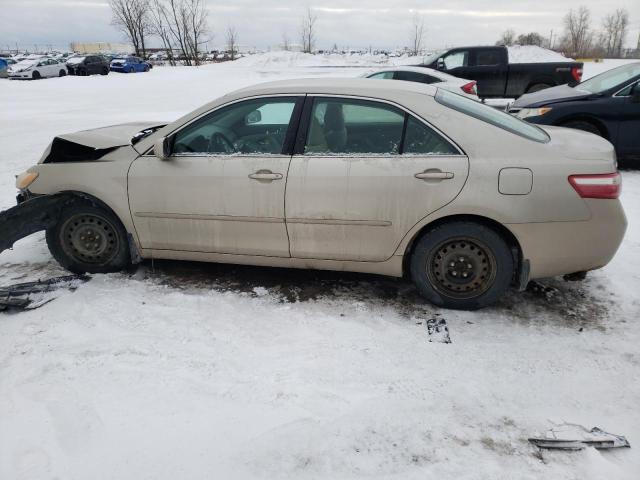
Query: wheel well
585,118
90,198
503,231
538,81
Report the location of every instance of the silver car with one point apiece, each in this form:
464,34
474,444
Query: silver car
385,177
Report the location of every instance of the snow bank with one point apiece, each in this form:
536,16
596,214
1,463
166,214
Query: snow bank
533,54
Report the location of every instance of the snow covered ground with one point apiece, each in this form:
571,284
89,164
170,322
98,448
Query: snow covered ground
191,371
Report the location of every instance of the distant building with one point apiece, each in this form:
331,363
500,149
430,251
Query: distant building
100,47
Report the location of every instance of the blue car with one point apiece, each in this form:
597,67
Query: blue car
129,65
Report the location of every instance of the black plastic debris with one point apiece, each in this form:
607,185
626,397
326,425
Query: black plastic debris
438,330
30,295
576,437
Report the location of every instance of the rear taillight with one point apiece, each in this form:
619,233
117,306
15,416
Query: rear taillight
604,185
469,88
576,73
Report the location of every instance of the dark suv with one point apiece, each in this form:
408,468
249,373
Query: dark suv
88,65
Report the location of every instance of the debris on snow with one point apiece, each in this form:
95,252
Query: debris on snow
438,330
31,295
577,437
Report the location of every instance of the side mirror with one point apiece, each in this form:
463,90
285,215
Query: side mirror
253,117
161,149
440,64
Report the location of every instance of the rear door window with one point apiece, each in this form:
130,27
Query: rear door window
348,126
422,140
382,76
487,57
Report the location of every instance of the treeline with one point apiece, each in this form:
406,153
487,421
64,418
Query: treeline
580,38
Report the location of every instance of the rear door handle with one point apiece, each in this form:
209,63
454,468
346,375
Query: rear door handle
265,176
434,175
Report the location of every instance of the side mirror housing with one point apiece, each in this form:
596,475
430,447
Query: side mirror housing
440,64
161,149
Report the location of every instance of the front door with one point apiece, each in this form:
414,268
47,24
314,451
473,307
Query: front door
222,190
358,184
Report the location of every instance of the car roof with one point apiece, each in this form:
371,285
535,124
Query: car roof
420,69
339,86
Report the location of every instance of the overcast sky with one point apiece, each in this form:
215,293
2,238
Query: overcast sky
261,23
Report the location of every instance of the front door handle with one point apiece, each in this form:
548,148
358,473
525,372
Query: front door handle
434,175
265,176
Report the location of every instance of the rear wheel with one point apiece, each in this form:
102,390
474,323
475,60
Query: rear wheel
62,73
536,87
584,126
89,238
462,265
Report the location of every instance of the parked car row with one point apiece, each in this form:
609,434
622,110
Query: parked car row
37,67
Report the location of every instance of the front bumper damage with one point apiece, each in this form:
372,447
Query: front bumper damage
31,215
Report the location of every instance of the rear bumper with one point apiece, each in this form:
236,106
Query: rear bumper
559,248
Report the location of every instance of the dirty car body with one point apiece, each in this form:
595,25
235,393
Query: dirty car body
384,177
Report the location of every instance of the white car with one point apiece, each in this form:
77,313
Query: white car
457,85
38,68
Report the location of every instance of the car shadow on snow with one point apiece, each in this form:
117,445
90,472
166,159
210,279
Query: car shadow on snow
552,302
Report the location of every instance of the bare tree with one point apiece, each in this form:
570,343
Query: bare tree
533,38
507,38
417,35
132,18
197,26
232,42
308,31
159,20
286,44
186,22
615,27
578,35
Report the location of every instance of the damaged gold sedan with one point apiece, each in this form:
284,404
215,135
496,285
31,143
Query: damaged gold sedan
392,178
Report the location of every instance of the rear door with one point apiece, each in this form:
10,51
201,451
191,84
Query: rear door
489,68
364,172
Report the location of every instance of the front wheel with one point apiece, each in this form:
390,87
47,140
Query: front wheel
89,238
62,73
105,71
462,265
36,75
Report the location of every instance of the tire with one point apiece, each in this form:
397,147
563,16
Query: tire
130,70
105,71
482,270
89,238
584,126
36,75
536,87
62,73
146,68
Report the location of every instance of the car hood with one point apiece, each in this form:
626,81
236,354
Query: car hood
109,137
561,93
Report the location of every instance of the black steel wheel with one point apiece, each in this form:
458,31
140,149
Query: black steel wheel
36,75
462,265
89,238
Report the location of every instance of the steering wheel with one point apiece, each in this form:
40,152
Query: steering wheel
218,139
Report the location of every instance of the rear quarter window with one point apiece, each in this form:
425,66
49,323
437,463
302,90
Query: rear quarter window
491,115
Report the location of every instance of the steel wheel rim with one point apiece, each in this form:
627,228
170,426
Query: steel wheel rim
90,238
461,268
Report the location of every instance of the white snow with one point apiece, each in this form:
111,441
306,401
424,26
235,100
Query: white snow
188,371
534,54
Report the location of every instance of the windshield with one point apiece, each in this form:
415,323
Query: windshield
610,79
491,115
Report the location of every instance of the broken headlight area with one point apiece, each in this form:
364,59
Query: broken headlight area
65,151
